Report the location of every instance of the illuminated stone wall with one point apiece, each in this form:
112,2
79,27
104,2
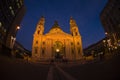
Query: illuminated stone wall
56,44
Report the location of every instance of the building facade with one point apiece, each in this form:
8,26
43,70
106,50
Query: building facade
56,44
11,14
97,49
19,51
110,18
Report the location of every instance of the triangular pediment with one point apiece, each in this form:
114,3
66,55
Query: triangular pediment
57,32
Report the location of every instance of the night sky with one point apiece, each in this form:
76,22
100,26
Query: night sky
85,12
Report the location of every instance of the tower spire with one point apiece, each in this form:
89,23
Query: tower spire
40,26
41,21
73,27
72,22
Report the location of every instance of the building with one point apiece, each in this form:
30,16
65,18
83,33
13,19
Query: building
56,44
95,49
110,18
98,50
101,49
19,51
11,14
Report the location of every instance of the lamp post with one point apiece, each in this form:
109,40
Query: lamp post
13,38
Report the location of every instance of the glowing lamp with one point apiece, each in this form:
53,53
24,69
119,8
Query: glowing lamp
18,27
106,33
57,50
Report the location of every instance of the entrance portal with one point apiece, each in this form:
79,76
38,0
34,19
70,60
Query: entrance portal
58,55
58,50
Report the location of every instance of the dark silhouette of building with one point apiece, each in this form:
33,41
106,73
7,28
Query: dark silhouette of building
95,49
11,14
110,18
19,51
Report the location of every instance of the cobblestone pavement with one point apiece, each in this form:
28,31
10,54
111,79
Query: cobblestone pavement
14,69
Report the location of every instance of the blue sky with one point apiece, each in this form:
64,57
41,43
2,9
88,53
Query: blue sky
85,12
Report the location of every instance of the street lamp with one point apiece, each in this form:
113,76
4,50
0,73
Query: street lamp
13,38
106,33
18,27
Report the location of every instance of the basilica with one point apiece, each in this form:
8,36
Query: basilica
56,44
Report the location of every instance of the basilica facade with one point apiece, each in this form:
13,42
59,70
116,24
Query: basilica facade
56,44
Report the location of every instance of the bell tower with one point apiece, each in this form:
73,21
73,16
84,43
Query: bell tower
40,26
74,28
76,39
37,39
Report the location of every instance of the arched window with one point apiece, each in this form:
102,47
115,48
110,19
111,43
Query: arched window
36,42
76,33
43,51
78,50
38,32
36,50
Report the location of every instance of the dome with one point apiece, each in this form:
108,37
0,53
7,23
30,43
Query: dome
55,25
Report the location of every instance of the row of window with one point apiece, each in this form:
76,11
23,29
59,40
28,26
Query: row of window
6,17
8,12
71,43
12,12
2,29
37,42
36,50
43,50
10,8
74,33
72,50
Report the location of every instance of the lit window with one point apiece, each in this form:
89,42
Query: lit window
4,30
12,12
10,8
18,5
21,2
0,24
